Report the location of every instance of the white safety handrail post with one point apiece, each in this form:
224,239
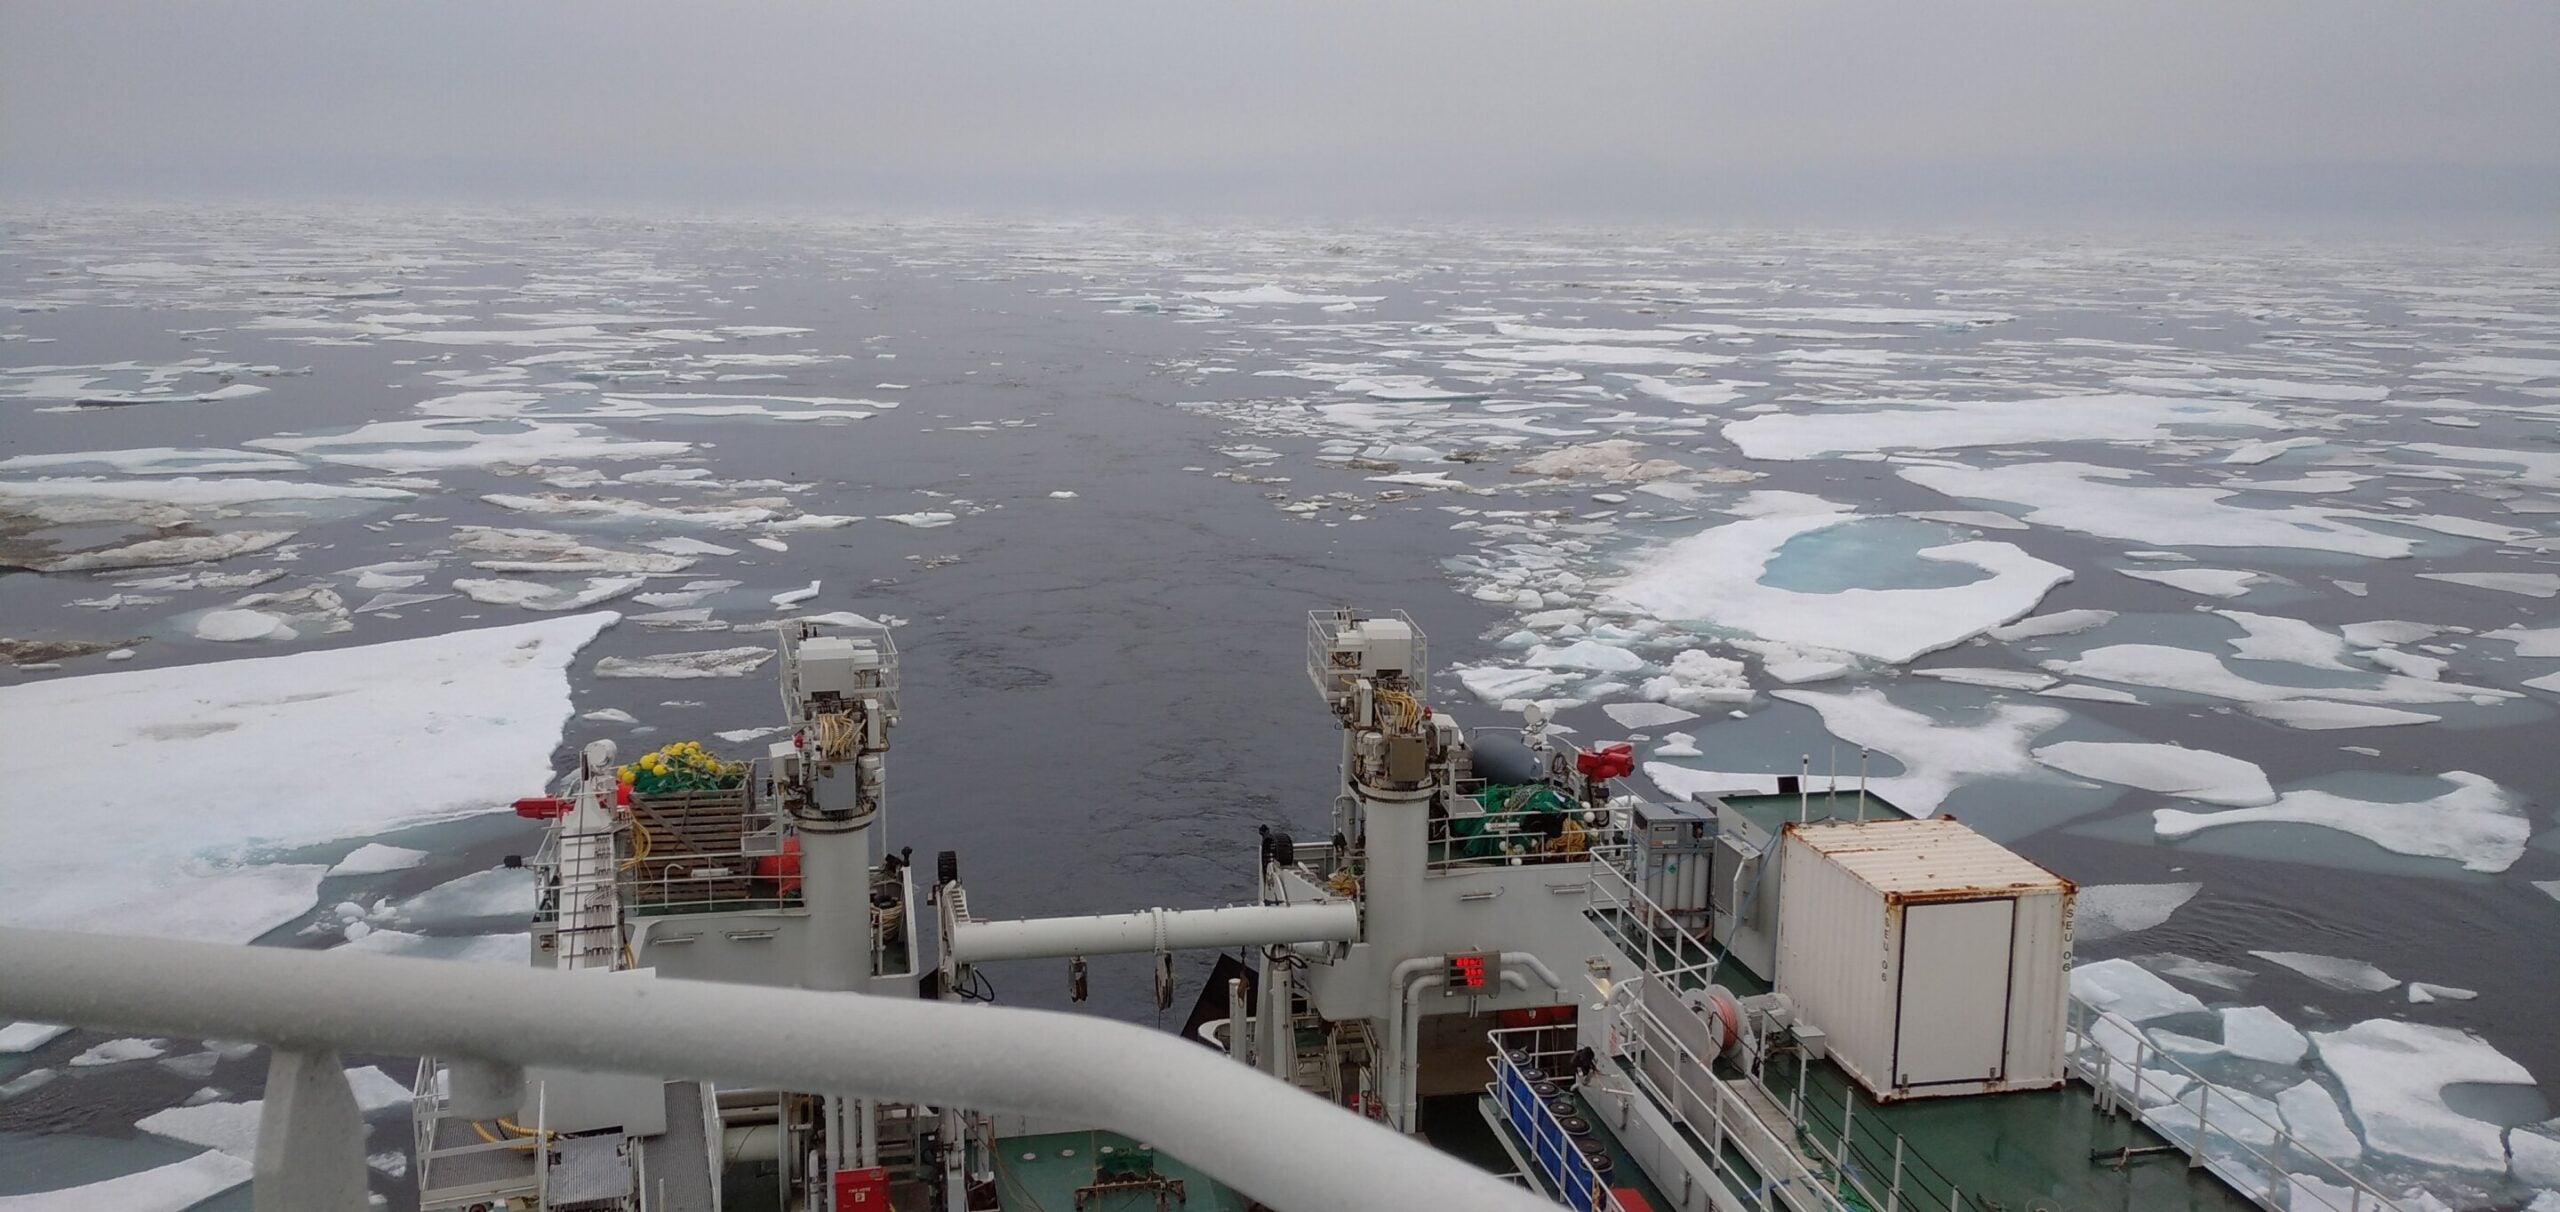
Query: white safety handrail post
1237,1125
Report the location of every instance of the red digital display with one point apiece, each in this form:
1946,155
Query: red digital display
1466,971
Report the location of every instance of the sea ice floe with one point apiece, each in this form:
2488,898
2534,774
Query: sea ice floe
2110,502
233,1127
2337,972
1883,425
2312,1116
1936,757
2105,911
1272,294
231,626
27,1037
2272,389
190,772
2395,1074
2529,642
153,553
1927,317
1696,394
2210,582
497,892
1646,715
2060,622
1990,679
437,445
534,595
2477,824
1700,679
925,520
2185,669
1679,783
1614,460
175,1187
713,663
2169,769
725,517
2259,1034
1715,577
2125,988
2529,584
1589,655
1600,355
375,858
118,1051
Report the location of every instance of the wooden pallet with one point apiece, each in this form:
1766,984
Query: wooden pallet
690,831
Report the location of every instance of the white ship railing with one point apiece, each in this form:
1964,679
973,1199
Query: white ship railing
1888,1173
2216,1135
1241,1127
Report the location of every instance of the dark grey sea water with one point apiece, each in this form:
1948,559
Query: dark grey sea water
1104,692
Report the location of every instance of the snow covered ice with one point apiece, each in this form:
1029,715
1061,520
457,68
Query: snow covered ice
194,772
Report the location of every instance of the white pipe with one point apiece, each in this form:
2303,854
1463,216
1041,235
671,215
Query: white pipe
1393,1070
1240,1127
1530,961
1409,1082
979,942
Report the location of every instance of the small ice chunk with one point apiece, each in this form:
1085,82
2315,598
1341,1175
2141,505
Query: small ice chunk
2092,694
713,663
27,1037
1062,495
1677,744
118,1051
1497,684
374,858
770,544
2122,987
233,626
2345,974
924,520
2060,622
2210,582
1995,679
1697,679
1646,715
2106,911
793,597
2170,769
2259,1034
2422,991
610,715
1585,654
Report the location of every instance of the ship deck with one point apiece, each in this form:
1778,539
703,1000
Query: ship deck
2051,1148
1042,1173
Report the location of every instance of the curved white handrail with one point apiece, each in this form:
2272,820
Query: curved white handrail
1273,1141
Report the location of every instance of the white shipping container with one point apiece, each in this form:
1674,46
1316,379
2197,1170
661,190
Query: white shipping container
1937,960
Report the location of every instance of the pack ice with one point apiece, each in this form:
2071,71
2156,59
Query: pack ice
187,775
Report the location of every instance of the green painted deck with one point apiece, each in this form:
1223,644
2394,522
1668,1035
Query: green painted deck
1041,1174
1997,1152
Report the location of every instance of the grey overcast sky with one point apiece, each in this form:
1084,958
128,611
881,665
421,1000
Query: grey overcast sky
2327,110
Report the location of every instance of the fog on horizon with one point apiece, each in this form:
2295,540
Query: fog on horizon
2280,113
